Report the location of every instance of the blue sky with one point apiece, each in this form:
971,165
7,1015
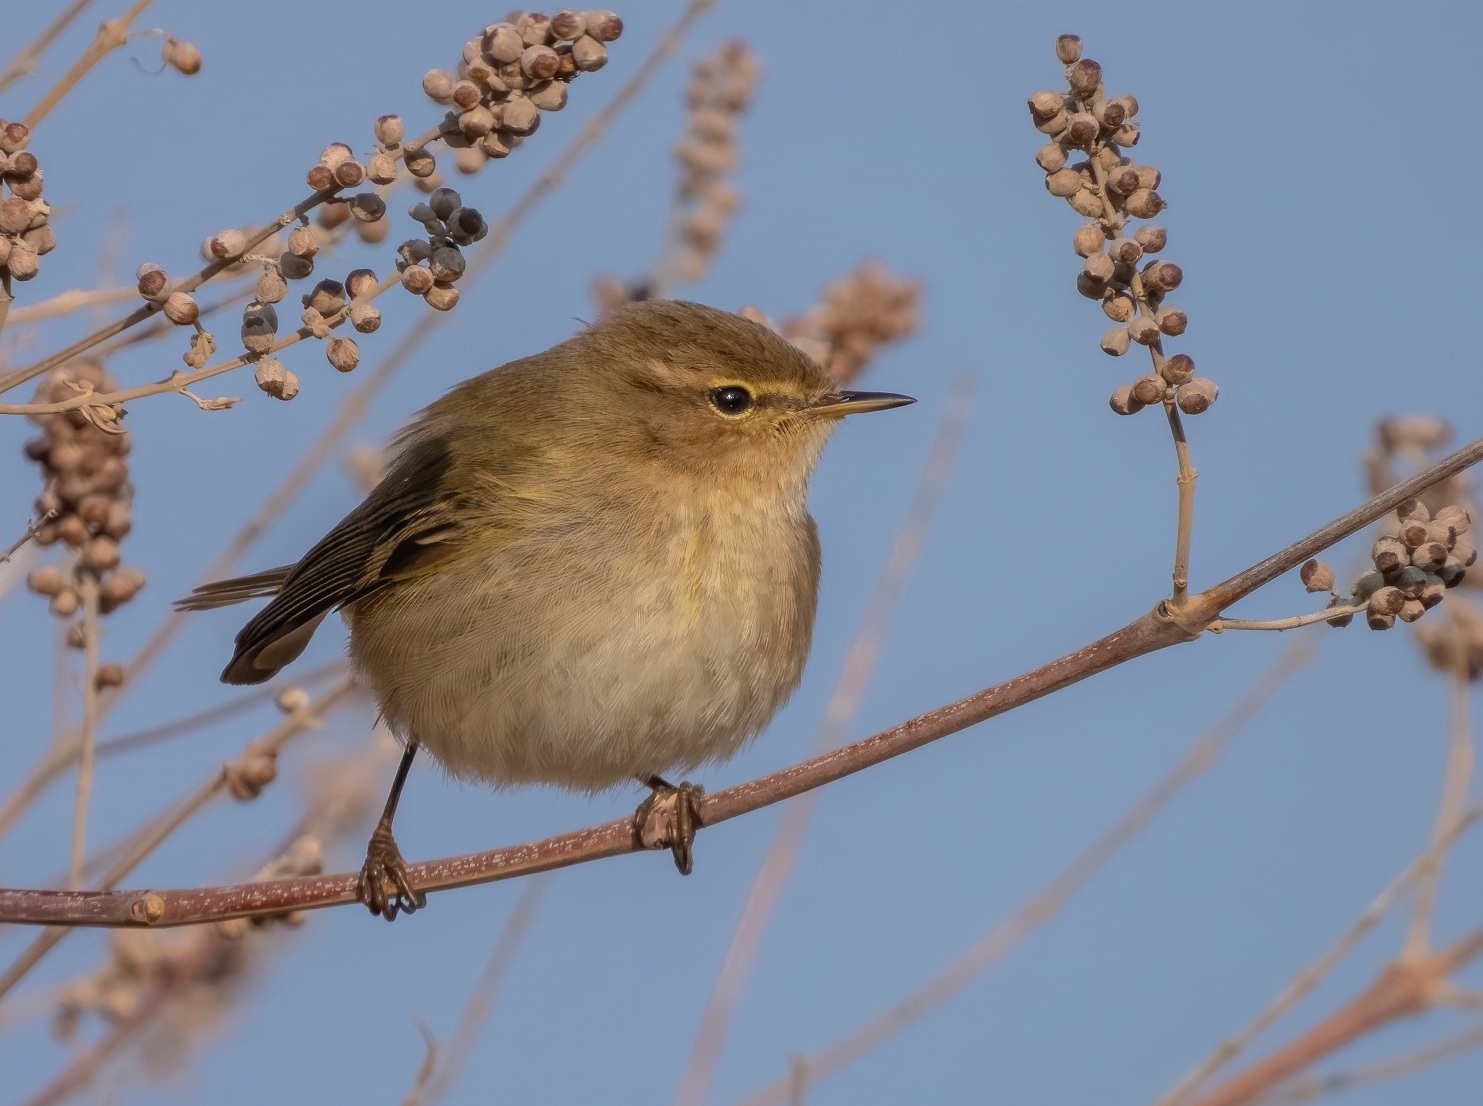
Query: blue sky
1321,189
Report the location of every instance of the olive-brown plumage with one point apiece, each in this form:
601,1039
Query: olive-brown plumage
584,567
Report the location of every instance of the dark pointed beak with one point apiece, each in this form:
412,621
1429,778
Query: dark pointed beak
855,403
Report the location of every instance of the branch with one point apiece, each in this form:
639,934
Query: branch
1158,629
111,35
22,64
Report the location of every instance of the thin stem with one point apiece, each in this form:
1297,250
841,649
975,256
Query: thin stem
1186,484
1045,904
787,839
22,64
1455,781
1303,984
1385,1071
111,35
67,303
31,528
438,1078
356,404
87,587
1291,623
159,829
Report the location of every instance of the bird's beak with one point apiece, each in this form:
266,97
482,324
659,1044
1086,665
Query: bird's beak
853,403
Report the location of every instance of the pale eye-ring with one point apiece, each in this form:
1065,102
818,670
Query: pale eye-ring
731,400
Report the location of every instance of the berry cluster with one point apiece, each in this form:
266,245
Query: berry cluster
1118,270
509,74
86,492
431,266
25,218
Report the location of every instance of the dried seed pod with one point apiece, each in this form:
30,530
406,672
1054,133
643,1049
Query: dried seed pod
1148,388
1378,620
23,262
495,145
1084,77
417,279
367,207
226,245
1119,307
303,242
202,346
1429,556
1088,239
1339,621
1367,585
476,123
1098,267
521,116
1051,157
605,26
1413,531
1144,203
441,297
534,27
1068,49
1122,181
567,24
109,675
1433,592
15,216
1144,331
100,555
1408,580
321,178
1126,251
46,580
1316,575
259,325
1179,369
28,189
1055,125
274,379
294,267
349,174
1109,115
1162,276
13,137
1452,572
1126,135
418,161
1115,342
1197,396
539,63
64,604
1123,403
389,130
343,354
360,282
447,264
1411,610
548,95
469,160
1389,554
365,317
381,169
1455,517
336,152
180,309
1171,321
443,202
1386,600
466,225
588,53
183,57
152,281
1063,183
502,43
327,297
1091,289
1086,204
438,84
1152,239
1129,104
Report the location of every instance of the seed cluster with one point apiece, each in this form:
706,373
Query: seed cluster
510,73
431,266
1118,269
858,314
86,487
720,89
26,234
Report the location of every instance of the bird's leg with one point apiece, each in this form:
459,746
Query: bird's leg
686,798
384,885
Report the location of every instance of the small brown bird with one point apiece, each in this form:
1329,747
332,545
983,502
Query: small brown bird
582,568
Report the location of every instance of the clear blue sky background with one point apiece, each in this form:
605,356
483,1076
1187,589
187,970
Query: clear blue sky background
1322,185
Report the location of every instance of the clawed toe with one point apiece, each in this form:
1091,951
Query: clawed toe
384,885
686,819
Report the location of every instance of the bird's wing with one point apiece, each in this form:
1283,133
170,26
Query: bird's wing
403,526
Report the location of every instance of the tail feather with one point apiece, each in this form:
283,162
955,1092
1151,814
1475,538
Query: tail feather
239,589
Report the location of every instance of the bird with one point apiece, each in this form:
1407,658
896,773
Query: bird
586,567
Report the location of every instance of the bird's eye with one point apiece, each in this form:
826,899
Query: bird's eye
732,400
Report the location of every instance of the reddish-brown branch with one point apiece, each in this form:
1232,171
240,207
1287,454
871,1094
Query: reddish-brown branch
1156,630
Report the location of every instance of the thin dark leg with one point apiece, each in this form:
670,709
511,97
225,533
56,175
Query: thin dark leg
384,885
687,798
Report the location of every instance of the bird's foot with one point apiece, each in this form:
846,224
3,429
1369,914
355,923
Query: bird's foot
669,818
384,885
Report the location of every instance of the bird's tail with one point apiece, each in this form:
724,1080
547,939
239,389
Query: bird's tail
239,589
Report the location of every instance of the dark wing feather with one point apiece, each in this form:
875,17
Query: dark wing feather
407,506
223,593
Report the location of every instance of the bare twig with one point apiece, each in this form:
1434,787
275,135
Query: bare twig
787,839
87,587
31,528
1455,782
993,946
161,827
356,404
111,35
67,303
1158,629
436,1079
1387,996
23,62
1292,623
1306,1090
